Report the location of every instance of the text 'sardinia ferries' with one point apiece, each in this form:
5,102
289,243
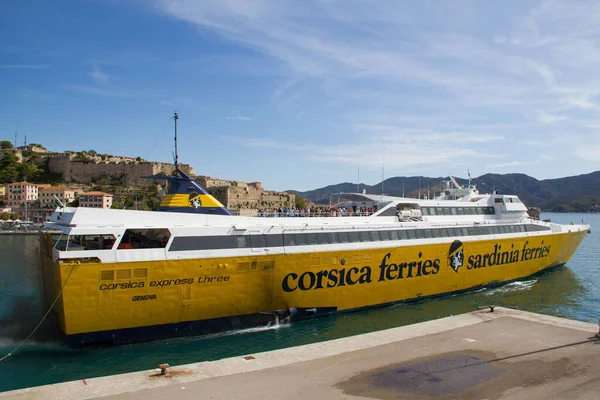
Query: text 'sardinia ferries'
124,275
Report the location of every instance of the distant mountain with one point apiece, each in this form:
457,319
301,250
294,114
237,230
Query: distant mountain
579,193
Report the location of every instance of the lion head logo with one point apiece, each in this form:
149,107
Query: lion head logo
456,256
194,200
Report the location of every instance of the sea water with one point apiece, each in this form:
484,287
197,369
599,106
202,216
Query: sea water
572,291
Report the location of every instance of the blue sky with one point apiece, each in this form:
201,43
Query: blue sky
301,94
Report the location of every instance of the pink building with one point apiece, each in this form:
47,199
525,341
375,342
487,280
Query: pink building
95,200
19,192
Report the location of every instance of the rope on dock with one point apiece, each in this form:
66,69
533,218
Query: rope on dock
43,318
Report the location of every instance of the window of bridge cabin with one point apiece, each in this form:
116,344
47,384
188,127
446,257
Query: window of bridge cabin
90,242
144,239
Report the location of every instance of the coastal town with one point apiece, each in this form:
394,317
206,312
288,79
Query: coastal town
34,181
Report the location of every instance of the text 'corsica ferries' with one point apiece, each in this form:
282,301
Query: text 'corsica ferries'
122,275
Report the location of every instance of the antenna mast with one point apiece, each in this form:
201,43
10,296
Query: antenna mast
176,117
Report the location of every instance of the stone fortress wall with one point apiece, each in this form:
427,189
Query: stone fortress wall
78,168
245,197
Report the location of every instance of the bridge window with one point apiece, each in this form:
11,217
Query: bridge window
87,242
145,239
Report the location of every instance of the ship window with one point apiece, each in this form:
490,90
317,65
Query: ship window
364,236
188,243
438,211
496,230
479,210
472,231
374,236
145,239
411,234
332,237
257,241
300,239
425,210
289,239
491,210
323,238
89,242
457,232
512,229
354,237
498,200
385,235
241,241
274,240
343,237
446,211
459,211
428,233
453,211
312,238
465,231
394,235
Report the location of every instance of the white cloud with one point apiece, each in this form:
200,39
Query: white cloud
98,76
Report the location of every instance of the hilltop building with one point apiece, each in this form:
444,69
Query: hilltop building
96,200
47,195
20,192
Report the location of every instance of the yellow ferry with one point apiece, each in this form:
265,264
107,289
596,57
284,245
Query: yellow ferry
123,275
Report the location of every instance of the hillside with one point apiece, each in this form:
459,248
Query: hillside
579,193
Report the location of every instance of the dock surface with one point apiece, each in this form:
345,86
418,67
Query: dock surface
505,354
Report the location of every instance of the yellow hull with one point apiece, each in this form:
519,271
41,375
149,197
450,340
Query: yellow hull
99,297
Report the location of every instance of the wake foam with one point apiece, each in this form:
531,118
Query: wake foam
512,287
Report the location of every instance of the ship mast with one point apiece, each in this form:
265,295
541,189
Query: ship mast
176,117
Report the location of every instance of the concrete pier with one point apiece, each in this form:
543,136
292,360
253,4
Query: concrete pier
504,354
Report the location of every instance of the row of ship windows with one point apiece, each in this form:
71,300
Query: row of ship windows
458,210
158,238
300,239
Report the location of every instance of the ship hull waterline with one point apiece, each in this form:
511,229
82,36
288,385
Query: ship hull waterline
139,301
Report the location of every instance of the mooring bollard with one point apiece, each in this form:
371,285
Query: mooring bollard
163,368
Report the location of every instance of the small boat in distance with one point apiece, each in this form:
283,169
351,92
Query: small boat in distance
124,275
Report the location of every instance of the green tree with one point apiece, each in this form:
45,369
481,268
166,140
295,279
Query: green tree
9,168
6,145
300,203
152,203
28,171
4,216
